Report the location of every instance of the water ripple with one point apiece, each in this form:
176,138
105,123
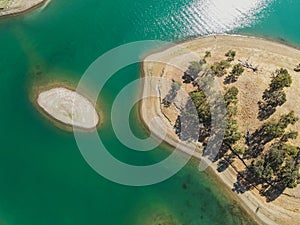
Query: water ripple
208,16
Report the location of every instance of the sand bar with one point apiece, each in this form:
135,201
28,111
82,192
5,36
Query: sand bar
15,7
265,54
68,107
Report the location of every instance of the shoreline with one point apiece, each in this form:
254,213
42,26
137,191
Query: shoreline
27,7
249,201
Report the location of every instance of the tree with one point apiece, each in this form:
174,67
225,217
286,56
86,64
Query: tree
258,168
231,95
239,149
230,54
268,172
281,79
231,110
289,135
200,102
275,157
290,150
232,135
207,54
219,68
275,95
290,175
273,129
288,119
237,71
274,98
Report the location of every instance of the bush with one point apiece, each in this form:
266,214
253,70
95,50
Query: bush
230,54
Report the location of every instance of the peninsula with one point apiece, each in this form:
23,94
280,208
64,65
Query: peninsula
68,107
14,7
259,80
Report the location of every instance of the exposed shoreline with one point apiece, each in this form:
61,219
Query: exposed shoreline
268,213
48,118
19,7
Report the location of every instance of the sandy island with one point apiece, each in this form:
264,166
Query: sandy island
268,56
15,7
68,107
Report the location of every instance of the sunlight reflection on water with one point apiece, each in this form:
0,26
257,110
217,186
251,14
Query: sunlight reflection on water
211,16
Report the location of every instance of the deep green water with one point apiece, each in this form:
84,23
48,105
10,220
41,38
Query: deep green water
43,178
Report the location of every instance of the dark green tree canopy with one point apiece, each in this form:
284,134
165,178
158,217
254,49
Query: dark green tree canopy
230,55
281,79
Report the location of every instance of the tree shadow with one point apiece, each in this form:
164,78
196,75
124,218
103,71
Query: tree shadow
272,192
225,162
222,165
229,79
187,78
265,110
256,144
243,182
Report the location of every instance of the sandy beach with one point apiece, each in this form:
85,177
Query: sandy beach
16,7
68,107
265,54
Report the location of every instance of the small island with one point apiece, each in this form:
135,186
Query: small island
259,159
14,7
68,107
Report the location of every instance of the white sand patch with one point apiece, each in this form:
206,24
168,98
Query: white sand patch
68,107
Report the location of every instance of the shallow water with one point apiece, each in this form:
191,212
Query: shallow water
44,179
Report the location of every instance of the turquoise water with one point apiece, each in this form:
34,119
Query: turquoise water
44,179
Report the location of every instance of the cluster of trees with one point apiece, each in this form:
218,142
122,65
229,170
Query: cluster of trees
275,95
220,68
232,134
199,100
217,69
196,110
279,166
281,163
